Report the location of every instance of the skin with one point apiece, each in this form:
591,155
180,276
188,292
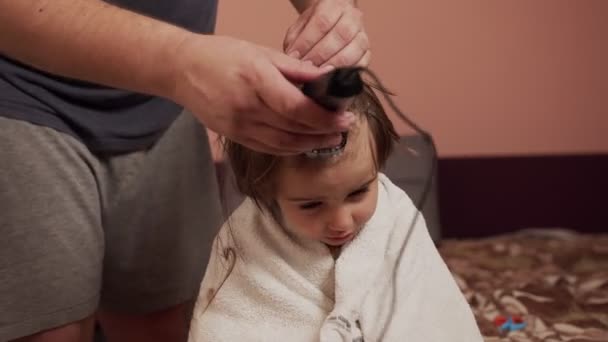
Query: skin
329,202
328,33
243,91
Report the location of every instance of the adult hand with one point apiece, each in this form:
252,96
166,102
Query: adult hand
329,32
248,94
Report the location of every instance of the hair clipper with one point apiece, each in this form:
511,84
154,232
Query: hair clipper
334,91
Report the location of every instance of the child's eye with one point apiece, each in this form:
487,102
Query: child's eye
358,193
310,205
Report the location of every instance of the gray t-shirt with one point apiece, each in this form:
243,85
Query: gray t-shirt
107,120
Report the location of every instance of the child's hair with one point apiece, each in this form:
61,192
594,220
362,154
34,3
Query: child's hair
253,171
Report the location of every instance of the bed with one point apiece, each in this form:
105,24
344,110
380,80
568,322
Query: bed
554,281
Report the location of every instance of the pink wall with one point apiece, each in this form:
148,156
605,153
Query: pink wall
485,77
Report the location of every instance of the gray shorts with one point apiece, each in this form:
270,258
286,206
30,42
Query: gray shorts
130,233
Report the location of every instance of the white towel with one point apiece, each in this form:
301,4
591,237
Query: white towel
276,287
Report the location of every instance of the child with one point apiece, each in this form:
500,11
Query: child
313,253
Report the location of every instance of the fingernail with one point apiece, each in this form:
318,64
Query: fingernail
347,119
308,62
294,54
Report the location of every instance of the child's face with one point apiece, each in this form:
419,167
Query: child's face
330,202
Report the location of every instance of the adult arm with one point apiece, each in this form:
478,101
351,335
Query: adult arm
238,89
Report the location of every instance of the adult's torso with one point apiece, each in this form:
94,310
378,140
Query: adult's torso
107,120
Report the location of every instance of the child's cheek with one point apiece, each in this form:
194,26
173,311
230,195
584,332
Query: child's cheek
310,226
302,224
368,208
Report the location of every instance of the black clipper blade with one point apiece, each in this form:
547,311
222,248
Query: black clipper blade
334,91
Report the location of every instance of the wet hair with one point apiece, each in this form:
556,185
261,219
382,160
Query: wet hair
254,171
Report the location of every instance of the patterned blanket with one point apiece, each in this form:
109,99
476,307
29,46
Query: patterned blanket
534,285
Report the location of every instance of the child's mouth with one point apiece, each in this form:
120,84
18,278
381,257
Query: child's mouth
338,240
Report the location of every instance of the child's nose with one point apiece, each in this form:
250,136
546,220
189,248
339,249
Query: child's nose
341,221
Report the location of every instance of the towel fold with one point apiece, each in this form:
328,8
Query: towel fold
389,283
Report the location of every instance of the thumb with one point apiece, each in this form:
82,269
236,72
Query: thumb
296,70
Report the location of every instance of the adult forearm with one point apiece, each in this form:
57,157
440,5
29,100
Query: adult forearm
93,41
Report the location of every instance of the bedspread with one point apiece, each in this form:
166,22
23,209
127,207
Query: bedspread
553,282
